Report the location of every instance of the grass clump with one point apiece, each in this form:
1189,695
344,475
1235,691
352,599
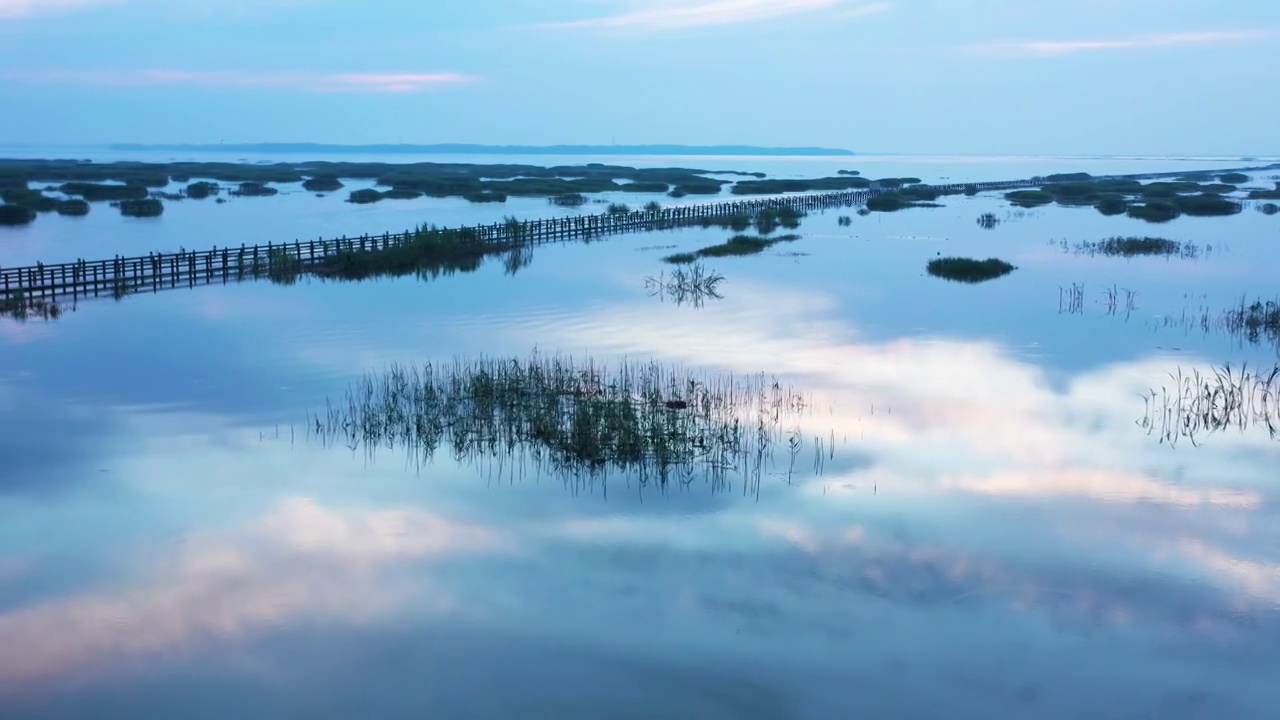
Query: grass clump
1265,194
569,200
646,187
322,183
736,245
1206,205
365,196
692,285
254,189
1233,178
1269,208
988,221
618,209
97,192
146,207
653,206
73,208
1029,198
201,190
968,270
486,196
11,214
1112,205
1132,246
1155,211
779,186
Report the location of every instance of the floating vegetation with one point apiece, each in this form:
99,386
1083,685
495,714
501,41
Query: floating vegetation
844,221
147,207
988,221
96,192
201,190
482,196
254,189
73,208
1195,404
322,183
16,214
968,270
737,245
1029,198
1112,205
581,422
1269,208
1265,194
693,285
1154,212
1233,178
365,196
1133,246
568,200
771,218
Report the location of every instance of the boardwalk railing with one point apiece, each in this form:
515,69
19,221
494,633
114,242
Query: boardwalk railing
121,276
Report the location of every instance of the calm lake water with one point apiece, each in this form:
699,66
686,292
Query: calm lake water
980,515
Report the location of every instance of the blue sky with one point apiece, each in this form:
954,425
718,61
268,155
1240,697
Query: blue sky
911,76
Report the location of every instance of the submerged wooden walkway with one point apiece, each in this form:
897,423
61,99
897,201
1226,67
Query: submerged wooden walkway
120,276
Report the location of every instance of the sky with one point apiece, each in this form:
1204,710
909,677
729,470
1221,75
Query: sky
1075,77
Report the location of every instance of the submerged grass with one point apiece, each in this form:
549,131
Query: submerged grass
576,420
1131,246
969,270
693,285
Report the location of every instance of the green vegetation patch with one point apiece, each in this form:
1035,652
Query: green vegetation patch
146,207
1265,194
254,189
1029,198
968,270
201,190
1132,246
73,208
322,183
11,214
737,245
98,192
1233,178
779,186
1155,211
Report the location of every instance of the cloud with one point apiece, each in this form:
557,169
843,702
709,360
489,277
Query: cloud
301,560
670,14
286,80
12,9
1066,47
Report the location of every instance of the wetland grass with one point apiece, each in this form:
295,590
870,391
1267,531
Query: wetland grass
988,221
647,422
485,196
736,246
1265,194
1196,404
618,209
322,183
201,190
254,189
73,208
968,270
11,214
144,208
693,285
1131,247
98,192
1269,208
568,200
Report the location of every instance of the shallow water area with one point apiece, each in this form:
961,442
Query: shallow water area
976,511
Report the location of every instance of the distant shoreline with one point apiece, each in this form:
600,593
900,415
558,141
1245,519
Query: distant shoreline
467,149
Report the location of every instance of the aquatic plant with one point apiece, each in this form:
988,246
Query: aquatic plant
968,270
16,214
322,183
95,192
202,189
681,258
364,196
779,186
1265,194
693,285
1269,208
1029,198
645,187
618,209
988,221
568,200
1112,205
254,189
1233,178
578,421
1154,211
1196,404
484,196
653,206
19,306
844,221
1254,321
146,207
73,208
736,245
1205,205
971,190
1131,246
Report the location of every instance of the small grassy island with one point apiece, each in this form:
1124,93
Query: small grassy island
147,207
11,214
968,270
1157,202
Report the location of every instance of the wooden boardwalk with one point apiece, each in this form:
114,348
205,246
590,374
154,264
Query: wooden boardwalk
121,276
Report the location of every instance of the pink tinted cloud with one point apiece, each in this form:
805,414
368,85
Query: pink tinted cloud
285,80
674,14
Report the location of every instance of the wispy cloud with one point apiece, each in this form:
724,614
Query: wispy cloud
10,9
286,80
676,14
1066,47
